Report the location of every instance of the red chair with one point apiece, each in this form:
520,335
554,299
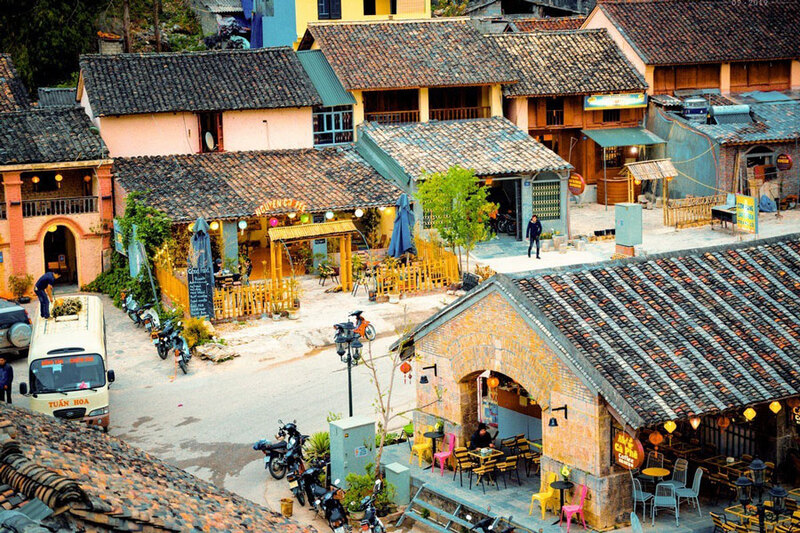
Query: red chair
575,508
443,456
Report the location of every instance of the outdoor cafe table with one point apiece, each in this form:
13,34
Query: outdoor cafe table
561,486
750,517
434,436
682,449
493,454
720,462
656,472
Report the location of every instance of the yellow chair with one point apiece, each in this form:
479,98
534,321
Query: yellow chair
422,448
547,497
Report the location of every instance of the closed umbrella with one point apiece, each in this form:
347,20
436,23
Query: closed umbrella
200,273
402,241
200,253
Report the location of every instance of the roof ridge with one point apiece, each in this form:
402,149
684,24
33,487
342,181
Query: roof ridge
148,55
441,20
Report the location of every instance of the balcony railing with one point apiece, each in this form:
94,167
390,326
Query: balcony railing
59,206
459,113
555,117
393,117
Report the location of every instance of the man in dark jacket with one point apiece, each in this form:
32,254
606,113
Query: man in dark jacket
532,233
6,380
44,291
481,438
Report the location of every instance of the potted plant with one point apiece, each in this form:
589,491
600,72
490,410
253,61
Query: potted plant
547,241
19,285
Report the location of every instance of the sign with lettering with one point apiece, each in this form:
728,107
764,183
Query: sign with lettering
201,291
746,213
783,162
598,102
628,451
282,205
576,184
66,403
796,415
119,244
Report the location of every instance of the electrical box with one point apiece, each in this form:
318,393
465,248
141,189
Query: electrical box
399,476
352,446
628,224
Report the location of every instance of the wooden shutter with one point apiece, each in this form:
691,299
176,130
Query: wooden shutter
336,9
220,145
322,10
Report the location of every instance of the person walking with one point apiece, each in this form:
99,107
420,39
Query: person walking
44,291
6,379
533,232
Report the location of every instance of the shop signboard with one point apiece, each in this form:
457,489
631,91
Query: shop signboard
119,243
283,205
796,415
747,213
598,102
628,451
783,162
576,184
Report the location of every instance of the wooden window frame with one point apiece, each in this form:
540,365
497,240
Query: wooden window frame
218,133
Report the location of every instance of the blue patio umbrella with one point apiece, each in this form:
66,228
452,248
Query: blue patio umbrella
200,253
402,241
199,273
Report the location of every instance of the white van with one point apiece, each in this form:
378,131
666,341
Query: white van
67,365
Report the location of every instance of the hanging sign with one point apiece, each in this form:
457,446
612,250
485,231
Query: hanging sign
746,213
796,415
119,243
597,102
783,162
628,451
280,204
576,184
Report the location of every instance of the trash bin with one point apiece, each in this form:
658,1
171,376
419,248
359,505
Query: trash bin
287,504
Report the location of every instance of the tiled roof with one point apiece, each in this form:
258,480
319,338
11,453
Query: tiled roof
773,122
490,146
223,6
13,96
48,136
684,333
57,97
220,80
99,483
708,31
407,54
555,23
235,184
567,62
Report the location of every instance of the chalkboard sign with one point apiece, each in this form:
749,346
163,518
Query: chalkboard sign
201,292
469,281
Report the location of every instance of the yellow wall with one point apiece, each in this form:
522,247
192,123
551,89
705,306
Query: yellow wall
353,10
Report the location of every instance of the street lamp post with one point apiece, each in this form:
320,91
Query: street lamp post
348,347
744,486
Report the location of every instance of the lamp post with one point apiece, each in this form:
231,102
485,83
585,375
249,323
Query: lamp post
348,347
744,486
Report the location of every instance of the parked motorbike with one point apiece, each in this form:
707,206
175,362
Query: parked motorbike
275,454
371,522
163,338
181,350
507,223
329,501
294,460
363,326
150,320
492,525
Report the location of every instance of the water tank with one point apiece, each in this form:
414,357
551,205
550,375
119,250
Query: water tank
695,109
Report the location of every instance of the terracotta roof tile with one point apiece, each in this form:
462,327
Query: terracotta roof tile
555,23
13,96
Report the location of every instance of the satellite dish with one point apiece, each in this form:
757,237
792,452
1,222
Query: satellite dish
209,138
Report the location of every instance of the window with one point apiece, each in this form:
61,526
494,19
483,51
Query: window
210,132
369,7
68,373
611,115
546,199
333,125
329,9
613,155
554,108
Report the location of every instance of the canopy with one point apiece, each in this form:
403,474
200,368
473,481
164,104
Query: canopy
324,79
655,169
623,137
312,231
402,241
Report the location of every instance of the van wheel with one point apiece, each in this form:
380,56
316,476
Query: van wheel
23,353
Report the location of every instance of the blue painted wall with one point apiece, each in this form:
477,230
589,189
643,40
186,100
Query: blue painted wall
280,29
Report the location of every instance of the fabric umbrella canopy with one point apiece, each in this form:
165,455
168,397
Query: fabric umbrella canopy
200,253
402,241
200,273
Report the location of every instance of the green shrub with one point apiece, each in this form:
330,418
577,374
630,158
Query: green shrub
66,307
361,485
20,284
318,446
196,331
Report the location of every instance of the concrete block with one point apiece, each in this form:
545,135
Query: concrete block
400,476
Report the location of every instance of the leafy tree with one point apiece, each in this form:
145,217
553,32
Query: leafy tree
153,228
457,206
451,8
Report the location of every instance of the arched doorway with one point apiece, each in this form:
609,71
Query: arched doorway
60,253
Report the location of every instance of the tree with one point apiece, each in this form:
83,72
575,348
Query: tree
456,203
451,8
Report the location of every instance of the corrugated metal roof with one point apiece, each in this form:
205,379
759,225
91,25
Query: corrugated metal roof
623,137
328,86
312,231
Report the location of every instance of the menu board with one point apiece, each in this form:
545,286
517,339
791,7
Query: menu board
201,292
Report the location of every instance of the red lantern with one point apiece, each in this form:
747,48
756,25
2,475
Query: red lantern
723,422
656,438
405,368
493,382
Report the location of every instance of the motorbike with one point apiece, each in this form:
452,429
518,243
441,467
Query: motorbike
492,525
371,522
163,338
131,307
507,223
181,350
294,460
363,326
275,454
328,500
150,320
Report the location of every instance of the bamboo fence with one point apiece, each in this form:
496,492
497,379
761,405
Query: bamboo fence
433,268
695,211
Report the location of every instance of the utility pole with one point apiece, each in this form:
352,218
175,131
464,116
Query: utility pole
156,25
126,24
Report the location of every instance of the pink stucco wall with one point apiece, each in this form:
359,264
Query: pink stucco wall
273,129
598,19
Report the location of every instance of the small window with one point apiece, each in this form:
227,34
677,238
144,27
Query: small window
611,115
333,125
554,109
210,132
546,199
369,7
329,9
613,155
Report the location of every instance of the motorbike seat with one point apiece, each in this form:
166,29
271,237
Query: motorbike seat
281,444
356,313
318,491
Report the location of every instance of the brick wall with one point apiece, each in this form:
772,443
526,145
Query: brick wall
791,183
490,334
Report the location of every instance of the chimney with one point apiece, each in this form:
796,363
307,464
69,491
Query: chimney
109,43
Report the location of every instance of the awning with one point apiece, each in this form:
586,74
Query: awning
623,137
312,231
655,169
326,83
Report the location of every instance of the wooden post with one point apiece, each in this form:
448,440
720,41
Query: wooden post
349,247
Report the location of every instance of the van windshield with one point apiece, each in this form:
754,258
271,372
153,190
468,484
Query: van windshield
68,373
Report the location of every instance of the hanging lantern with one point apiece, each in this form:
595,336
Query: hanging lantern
214,226
329,215
53,228
669,178
775,407
273,222
87,178
637,182
405,368
493,382
35,179
670,426
749,414
359,213
292,215
304,218
694,422
723,422
59,178
656,438
242,224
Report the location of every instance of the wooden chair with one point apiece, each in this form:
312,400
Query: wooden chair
509,443
463,463
487,469
509,466
546,496
720,522
422,448
528,456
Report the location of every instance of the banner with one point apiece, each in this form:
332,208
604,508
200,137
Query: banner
746,213
119,244
597,102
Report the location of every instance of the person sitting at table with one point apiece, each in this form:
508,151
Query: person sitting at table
217,266
481,438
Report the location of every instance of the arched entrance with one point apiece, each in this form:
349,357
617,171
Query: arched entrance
59,248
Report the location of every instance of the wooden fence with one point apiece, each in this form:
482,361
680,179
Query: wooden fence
173,288
433,268
694,211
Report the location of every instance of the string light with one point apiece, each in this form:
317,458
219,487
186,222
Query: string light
749,414
775,407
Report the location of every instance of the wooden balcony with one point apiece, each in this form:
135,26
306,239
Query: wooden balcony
393,117
459,113
59,206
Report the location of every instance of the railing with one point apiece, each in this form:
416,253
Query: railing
555,117
433,268
459,113
691,211
59,206
393,117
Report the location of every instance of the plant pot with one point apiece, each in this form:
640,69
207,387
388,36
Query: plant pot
294,315
24,300
276,317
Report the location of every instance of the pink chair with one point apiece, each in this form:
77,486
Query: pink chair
445,455
575,508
